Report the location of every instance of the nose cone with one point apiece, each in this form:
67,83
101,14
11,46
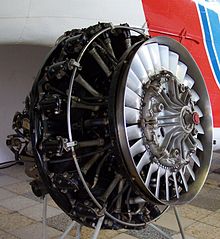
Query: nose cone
196,119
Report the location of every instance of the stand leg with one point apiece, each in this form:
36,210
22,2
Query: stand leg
45,235
68,229
160,231
78,231
98,227
100,222
179,222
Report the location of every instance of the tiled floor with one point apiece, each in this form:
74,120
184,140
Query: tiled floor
21,212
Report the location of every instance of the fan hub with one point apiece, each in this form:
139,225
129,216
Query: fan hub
161,111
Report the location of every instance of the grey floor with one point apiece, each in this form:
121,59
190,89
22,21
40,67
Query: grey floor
21,212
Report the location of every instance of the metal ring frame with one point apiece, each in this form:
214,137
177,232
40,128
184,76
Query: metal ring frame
140,31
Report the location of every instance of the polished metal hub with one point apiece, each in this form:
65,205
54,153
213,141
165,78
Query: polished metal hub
163,112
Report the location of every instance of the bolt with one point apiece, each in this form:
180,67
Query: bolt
176,152
63,190
194,132
182,88
110,223
158,107
51,175
86,203
192,151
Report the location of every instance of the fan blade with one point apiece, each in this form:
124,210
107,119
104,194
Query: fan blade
184,180
131,115
145,159
134,83
194,96
164,57
160,173
133,132
176,185
145,57
155,56
167,185
200,129
188,81
138,68
173,62
191,172
181,72
195,159
137,148
199,144
153,168
132,99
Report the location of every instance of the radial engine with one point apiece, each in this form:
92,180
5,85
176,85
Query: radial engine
118,124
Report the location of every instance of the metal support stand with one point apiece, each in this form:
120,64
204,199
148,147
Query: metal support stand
78,229
99,225
44,218
68,229
179,222
179,225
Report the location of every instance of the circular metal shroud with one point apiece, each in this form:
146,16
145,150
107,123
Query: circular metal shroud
96,132
163,121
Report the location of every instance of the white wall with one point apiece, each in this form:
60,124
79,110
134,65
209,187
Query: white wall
19,65
40,22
